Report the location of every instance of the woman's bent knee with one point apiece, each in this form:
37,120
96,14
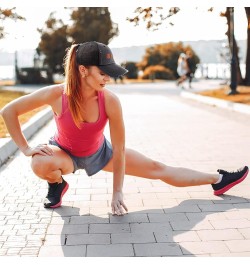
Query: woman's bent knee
41,165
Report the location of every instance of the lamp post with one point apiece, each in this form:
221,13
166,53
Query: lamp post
233,83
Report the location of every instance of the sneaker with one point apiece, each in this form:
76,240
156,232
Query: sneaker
55,194
229,180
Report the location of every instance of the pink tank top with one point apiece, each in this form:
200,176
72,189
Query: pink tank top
86,140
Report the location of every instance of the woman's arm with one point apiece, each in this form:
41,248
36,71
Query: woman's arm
117,134
19,106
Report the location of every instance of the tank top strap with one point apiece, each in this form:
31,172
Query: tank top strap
64,101
102,103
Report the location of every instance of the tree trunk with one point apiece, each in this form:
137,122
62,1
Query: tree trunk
247,76
240,80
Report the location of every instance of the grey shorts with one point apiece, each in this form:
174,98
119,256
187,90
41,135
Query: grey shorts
91,164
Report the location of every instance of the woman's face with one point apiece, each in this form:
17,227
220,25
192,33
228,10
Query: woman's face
95,78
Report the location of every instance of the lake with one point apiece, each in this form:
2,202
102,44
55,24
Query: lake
221,71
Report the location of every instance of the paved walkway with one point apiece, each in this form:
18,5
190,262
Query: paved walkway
162,220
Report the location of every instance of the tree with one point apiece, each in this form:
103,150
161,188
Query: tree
53,43
132,70
92,24
8,13
88,24
156,16
247,76
157,72
230,39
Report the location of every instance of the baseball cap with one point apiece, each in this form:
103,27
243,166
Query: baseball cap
100,55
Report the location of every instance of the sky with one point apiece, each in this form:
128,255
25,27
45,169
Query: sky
190,24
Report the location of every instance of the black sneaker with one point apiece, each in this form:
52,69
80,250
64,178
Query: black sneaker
229,180
55,194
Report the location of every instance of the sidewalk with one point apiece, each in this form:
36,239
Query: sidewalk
162,220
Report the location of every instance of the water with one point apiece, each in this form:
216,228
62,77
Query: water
220,71
7,72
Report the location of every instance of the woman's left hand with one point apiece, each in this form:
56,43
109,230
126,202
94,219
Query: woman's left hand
118,206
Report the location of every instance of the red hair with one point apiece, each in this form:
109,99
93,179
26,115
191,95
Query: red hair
73,85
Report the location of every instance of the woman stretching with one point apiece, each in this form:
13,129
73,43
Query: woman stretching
82,106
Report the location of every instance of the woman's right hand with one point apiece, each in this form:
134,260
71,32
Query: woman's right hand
41,149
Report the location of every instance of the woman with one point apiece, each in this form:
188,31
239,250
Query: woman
82,106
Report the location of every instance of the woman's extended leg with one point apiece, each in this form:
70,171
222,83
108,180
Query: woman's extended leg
139,165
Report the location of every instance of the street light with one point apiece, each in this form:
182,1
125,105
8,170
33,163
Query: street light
233,83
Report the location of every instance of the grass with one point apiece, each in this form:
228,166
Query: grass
7,96
222,93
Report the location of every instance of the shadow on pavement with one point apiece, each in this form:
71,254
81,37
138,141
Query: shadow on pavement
144,233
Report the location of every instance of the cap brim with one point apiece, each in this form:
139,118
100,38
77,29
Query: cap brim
113,70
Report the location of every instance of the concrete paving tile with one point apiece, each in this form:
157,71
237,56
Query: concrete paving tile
227,255
176,236
182,209
116,250
129,218
154,218
206,216
89,219
64,251
76,197
245,232
65,211
190,225
66,229
234,215
157,250
132,238
238,245
87,239
145,210
108,228
150,227
29,252
224,234
99,211
224,224
206,248
54,240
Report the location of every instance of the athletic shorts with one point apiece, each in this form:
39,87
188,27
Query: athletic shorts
93,163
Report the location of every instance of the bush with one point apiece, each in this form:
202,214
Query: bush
158,72
132,70
31,75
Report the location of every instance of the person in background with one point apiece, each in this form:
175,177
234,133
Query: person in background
189,74
182,69
82,106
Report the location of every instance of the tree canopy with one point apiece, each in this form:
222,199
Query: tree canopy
87,24
8,13
92,24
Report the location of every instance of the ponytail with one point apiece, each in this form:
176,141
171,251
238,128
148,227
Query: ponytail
73,84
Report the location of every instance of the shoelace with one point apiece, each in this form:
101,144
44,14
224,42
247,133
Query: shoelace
221,171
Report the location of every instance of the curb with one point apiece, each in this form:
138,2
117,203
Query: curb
238,107
7,145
